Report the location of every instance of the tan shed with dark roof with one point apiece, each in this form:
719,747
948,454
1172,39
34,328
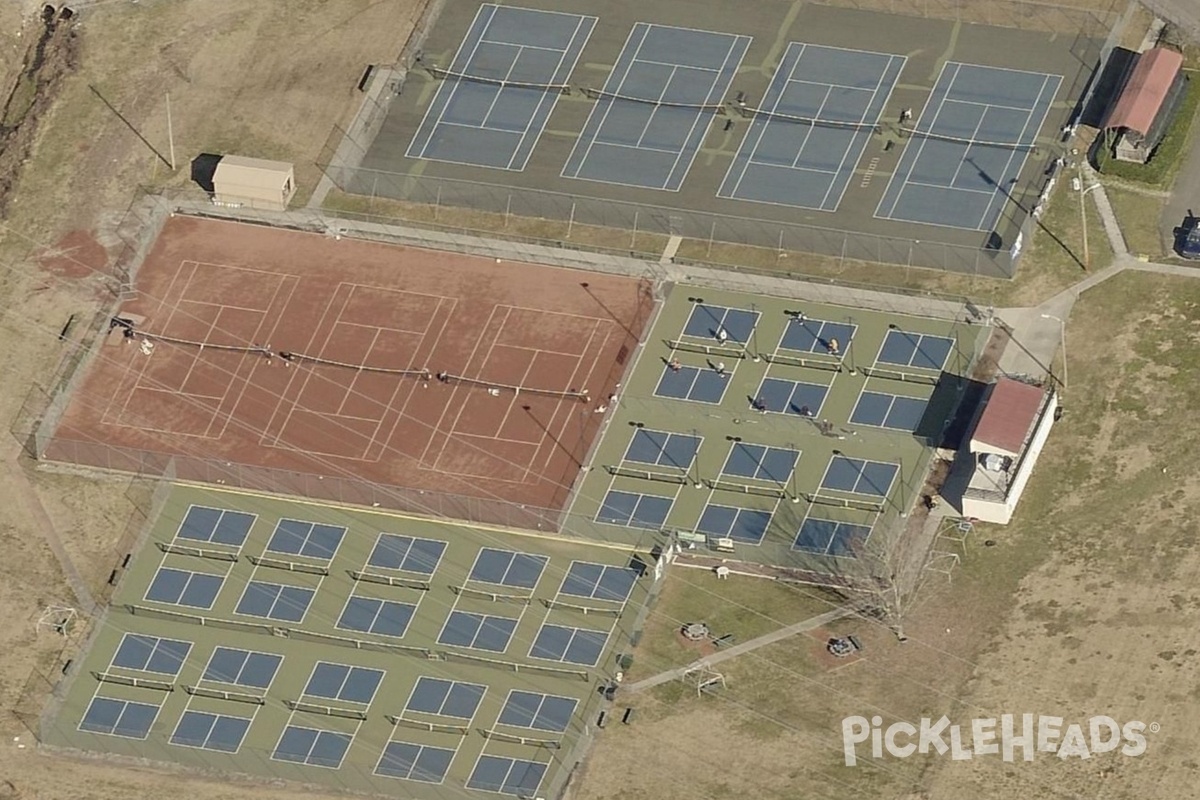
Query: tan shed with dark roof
254,183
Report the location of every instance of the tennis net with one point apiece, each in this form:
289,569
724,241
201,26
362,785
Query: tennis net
944,137
711,108
503,83
751,112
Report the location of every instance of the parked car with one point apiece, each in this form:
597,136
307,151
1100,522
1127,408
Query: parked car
1187,237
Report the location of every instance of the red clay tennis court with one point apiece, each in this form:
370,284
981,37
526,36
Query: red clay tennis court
356,371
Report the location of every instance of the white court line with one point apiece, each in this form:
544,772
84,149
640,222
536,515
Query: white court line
913,164
638,147
524,46
401,412
454,390
575,382
553,98
809,129
974,135
453,89
987,105
284,280
703,115
1003,178
824,84
854,139
480,127
686,66
944,187
654,110
136,368
645,29
307,374
350,391
762,129
499,90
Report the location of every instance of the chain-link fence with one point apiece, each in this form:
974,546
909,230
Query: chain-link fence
515,203
617,261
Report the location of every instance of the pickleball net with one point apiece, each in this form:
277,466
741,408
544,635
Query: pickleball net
710,108
501,83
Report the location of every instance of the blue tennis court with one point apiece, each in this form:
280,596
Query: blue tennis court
415,762
920,350
807,335
275,601
151,654
220,732
707,322
488,632
537,711
183,587
760,462
812,126
406,553
372,615
508,568
783,396
635,509
887,410
859,476
445,698
829,537
215,525
702,385
598,581
316,747
745,525
969,146
659,448
645,129
115,717
505,775
310,539
490,124
343,682
569,645
248,668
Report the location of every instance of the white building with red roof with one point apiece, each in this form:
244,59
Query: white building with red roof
1007,436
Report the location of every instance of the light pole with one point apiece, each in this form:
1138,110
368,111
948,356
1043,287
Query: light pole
1062,336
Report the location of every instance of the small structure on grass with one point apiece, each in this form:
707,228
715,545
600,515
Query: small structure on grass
253,183
1142,113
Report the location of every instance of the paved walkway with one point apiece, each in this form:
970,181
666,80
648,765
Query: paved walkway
741,649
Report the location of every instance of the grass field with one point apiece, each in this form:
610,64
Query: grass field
1138,215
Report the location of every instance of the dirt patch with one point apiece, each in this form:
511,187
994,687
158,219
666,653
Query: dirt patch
76,255
49,59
